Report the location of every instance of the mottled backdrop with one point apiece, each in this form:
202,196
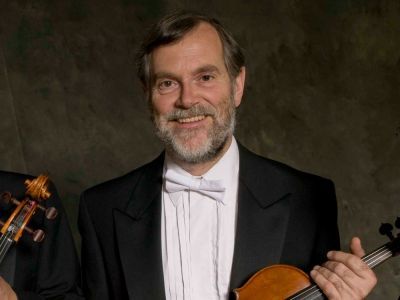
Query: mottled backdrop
322,95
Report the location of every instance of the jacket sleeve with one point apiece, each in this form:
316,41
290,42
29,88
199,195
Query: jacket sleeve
327,237
95,284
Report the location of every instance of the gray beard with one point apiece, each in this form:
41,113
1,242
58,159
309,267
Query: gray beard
217,136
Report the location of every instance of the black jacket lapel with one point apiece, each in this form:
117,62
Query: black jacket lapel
262,218
138,231
263,213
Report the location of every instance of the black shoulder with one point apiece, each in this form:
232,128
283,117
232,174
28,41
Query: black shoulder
271,180
256,164
13,183
117,191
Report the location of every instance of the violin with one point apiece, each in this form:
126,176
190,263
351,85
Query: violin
16,224
280,282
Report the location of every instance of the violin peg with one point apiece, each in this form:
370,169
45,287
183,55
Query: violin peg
7,201
397,223
386,229
6,197
38,235
51,213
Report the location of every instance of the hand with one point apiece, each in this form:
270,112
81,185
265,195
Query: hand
345,276
6,292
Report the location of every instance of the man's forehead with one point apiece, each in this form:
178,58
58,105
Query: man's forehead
202,42
202,33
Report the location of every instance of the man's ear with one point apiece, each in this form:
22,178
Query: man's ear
239,86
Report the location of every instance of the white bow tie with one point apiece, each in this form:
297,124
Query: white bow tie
175,182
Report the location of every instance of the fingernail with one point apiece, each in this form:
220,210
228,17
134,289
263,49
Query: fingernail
329,254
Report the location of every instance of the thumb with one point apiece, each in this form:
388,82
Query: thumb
356,248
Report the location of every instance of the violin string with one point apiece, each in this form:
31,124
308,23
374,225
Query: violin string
308,292
378,256
383,251
3,240
315,292
380,259
7,238
372,260
312,293
373,254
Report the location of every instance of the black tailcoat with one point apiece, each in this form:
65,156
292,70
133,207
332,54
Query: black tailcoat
284,216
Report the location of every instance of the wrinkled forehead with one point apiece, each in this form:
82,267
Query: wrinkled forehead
201,45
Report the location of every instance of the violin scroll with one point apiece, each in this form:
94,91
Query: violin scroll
387,229
36,191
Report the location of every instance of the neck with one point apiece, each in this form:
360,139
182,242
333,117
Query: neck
198,169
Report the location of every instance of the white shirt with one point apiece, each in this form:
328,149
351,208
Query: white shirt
198,234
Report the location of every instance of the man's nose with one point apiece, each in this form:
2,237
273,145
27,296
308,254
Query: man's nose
188,96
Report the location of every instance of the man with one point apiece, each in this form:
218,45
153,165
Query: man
44,270
207,214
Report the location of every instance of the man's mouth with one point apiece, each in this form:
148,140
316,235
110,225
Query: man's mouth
191,119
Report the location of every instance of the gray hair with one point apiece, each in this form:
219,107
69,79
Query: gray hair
172,28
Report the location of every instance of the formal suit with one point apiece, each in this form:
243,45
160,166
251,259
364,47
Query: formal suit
45,270
284,216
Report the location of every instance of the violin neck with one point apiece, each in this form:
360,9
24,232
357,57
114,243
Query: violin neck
5,243
372,259
378,256
7,239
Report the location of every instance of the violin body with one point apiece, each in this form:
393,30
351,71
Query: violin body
280,282
276,282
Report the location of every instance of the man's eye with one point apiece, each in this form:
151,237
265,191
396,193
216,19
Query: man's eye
165,84
206,77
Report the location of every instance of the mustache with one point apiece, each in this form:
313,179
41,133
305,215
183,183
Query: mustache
193,111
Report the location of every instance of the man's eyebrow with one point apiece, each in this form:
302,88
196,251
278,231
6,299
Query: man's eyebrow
201,69
163,74
205,69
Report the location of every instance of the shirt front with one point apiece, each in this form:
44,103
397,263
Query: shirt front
198,233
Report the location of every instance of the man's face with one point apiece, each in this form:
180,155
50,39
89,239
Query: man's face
193,100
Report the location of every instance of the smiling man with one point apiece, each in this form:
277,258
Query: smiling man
205,215
194,99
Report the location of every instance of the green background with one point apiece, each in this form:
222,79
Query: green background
322,95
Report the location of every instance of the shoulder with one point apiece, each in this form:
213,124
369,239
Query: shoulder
117,191
14,181
258,166
264,176
15,184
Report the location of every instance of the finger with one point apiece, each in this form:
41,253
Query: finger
356,247
341,270
353,271
353,262
328,282
351,281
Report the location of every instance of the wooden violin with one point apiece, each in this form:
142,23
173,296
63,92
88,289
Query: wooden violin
280,282
16,224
